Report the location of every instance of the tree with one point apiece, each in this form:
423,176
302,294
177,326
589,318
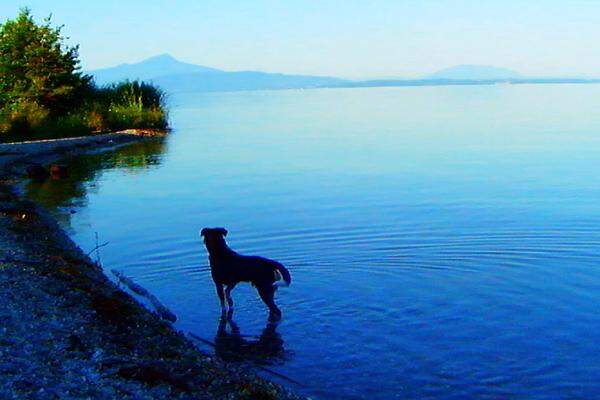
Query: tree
37,68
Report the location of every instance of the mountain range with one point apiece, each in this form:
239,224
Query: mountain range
148,69
176,76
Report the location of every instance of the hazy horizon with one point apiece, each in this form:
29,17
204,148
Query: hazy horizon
350,39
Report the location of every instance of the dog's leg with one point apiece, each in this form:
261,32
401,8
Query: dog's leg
266,294
221,295
228,290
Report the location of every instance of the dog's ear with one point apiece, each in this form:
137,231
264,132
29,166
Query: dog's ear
221,231
204,231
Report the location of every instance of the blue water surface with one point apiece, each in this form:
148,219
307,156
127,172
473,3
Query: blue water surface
444,241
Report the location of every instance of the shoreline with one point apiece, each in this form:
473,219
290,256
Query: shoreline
55,149
68,331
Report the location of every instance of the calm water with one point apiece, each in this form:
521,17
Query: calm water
444,241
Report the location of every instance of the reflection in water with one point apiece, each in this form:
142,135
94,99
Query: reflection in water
265,349
72,189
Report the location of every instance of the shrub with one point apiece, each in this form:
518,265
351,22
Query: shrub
43,93
133,117
133,94
75,124
133,105
23,116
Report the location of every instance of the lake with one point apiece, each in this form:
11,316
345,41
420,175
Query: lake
443,241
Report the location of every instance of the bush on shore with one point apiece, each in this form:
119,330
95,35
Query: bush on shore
44,94
131,105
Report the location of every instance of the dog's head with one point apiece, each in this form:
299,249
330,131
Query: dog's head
213,237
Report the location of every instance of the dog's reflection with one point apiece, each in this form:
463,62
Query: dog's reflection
231,345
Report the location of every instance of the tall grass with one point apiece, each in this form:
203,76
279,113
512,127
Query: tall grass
134,94
134,105
125,105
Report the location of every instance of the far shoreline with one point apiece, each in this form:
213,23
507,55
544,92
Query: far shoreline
391,84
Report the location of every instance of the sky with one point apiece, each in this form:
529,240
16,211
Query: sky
354,39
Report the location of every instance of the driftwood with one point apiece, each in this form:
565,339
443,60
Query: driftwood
98,246
160,308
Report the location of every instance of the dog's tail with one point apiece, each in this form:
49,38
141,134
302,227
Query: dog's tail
282,276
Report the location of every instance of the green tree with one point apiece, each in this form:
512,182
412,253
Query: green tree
37,69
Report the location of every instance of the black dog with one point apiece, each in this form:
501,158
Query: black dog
229,268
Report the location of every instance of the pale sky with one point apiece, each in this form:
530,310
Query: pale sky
342,38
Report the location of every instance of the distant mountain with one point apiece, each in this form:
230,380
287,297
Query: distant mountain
148,69
474,73
174,75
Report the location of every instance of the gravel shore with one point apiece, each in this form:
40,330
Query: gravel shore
68,332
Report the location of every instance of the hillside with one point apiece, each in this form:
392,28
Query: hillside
174,75
148,69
